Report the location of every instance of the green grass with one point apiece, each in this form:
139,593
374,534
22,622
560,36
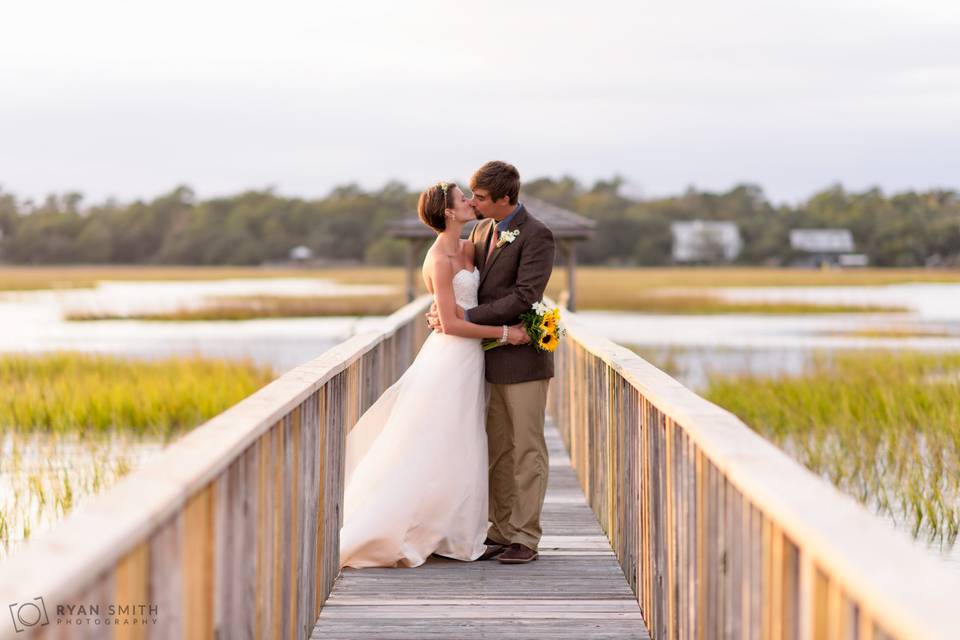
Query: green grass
81,393
73,424
882,426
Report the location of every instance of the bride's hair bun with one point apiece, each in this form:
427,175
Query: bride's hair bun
433,202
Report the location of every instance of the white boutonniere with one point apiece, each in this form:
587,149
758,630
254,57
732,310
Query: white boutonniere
507,237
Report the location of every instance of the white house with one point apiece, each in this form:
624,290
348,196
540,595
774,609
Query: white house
301,254
821,240
705,241
825,247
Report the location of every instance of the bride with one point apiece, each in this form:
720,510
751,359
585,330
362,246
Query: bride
416,461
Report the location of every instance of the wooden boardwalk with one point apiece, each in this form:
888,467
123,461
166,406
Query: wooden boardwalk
574,590
724,534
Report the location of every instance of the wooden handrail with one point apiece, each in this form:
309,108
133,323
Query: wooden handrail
232,530
719,532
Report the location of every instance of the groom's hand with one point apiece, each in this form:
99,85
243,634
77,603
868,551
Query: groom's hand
433,318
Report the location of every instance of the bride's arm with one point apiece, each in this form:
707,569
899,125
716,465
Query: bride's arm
447,306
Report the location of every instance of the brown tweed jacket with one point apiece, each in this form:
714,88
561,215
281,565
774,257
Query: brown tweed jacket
510,282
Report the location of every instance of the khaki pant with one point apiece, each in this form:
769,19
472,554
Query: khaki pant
518,461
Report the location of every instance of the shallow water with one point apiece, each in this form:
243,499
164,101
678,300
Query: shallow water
770,344
34,321
695,345
928,301
45,476
691,348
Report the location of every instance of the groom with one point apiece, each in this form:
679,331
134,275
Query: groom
514,252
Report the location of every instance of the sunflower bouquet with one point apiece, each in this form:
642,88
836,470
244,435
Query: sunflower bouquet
543,326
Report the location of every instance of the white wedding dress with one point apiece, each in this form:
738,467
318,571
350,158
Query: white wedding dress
416,461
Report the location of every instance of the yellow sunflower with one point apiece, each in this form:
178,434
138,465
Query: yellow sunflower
548,341
549,323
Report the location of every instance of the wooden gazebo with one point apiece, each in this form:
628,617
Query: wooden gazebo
568,228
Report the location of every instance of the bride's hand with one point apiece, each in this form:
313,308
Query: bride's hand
517,334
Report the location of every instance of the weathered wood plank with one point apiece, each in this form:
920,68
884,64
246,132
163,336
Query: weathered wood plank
477,629
197,564
130,587
575,590
165,590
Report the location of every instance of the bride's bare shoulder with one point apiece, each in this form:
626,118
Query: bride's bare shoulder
433,260
435,267
426,270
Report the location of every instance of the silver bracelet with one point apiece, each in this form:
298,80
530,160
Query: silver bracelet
503,338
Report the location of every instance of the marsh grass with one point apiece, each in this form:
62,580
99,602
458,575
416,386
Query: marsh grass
692,302
695,302
83,276
686,290
601,281
882,426
73,424
44,476
649,290
893,332
253,307
597,281
90,393
258,306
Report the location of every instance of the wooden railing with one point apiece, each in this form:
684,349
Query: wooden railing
233,530
719,533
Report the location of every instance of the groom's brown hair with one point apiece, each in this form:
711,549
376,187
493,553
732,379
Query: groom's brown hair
498,179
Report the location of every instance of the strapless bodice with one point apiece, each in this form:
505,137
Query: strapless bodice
465,286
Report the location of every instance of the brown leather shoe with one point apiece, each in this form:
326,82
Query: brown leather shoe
493,551
518,554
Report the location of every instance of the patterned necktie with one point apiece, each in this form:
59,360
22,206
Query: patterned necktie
493,241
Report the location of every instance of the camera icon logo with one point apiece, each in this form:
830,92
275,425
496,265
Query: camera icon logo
29,614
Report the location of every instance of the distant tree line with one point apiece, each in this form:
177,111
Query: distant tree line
905,229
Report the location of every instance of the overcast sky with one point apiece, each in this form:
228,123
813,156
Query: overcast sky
129,99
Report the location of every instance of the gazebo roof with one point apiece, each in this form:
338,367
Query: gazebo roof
564,223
